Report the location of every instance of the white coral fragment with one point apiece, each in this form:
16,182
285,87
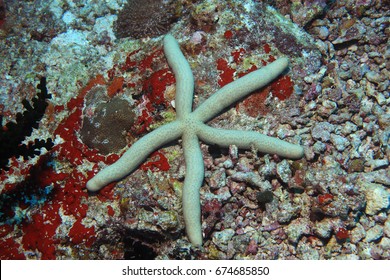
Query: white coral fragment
377,197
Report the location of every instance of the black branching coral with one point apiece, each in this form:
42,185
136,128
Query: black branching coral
13,133
145,18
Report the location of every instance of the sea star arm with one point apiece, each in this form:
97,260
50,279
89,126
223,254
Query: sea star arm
135,155
246,139
183,75
238,89
192,183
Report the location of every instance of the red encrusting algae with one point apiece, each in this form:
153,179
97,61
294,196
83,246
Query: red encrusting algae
68,194
254,104
157,162
81,234
325,198
228,34
342,234
226,72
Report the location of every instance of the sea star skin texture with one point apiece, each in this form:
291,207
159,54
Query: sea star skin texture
191,128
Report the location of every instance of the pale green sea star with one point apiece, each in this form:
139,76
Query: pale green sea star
190,127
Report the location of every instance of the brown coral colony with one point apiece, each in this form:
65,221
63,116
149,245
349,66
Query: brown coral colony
145,18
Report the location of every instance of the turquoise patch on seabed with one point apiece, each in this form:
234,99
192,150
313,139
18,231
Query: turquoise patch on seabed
12,201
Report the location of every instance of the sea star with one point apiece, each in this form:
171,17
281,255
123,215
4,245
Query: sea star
190,127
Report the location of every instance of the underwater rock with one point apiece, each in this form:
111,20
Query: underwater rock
296,229
377,197
358,233
221,238
374,233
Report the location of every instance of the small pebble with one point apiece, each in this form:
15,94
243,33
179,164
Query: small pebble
377,197
374,77
296,229
283,171
339,142
358,233
321,131
374,233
